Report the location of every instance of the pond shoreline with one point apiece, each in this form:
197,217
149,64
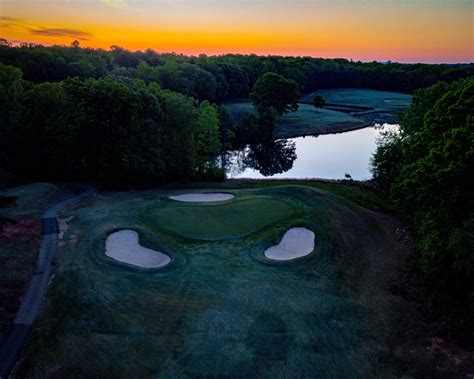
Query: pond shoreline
335,155
334,128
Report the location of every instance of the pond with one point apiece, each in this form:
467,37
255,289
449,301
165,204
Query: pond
328,156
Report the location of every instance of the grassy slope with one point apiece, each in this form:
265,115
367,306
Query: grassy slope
371,106
220,308
378,100
20,242
205,221
382,106
305,121
348,192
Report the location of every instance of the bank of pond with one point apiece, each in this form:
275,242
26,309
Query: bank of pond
329,156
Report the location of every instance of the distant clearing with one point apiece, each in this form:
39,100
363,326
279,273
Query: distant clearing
345,110
363,99
305,121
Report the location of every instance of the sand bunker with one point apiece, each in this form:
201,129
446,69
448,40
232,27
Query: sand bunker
202,197
124,246
297,242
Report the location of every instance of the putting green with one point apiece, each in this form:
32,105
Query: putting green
221,221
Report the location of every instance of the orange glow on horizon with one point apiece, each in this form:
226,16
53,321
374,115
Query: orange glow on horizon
364,31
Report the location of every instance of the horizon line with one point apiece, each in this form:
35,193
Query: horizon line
18,43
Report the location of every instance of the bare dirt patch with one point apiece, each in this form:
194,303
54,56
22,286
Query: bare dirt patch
24,229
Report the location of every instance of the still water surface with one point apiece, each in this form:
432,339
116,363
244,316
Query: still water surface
328,156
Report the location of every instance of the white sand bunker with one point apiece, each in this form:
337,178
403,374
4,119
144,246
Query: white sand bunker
297,242
202,197
124,246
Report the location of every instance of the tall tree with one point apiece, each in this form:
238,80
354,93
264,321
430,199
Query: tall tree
11,92
179,118
274,90
318,102
207,140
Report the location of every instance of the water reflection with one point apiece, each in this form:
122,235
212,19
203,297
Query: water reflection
268,158
328,156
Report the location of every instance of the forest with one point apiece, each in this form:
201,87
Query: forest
216,78
72,113
426,170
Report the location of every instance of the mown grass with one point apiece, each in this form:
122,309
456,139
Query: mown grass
351,192
305,121
232,219
220,309
347,109
378,100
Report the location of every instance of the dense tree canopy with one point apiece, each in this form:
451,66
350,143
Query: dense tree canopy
113,129
275,91
208,141
11,91
428,168
221,77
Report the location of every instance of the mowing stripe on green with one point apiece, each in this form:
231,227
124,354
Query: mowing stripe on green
221,221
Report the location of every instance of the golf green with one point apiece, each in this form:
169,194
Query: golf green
221,221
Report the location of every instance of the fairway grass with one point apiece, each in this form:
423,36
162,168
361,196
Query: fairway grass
346,109
220,308
220,221
305,121
363,98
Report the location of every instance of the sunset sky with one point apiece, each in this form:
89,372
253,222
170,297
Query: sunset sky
402,30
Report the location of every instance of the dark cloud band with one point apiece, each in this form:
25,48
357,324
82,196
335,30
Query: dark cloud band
58,32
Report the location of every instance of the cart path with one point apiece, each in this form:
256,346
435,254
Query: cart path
13,342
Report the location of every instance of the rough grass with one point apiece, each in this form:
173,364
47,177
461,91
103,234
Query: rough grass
20,241
215,221
33,199
220,309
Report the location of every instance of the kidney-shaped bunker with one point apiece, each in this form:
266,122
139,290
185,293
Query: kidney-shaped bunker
296,243
124,246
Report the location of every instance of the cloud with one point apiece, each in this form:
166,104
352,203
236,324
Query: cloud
115,3
58,32
8,21
44,31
